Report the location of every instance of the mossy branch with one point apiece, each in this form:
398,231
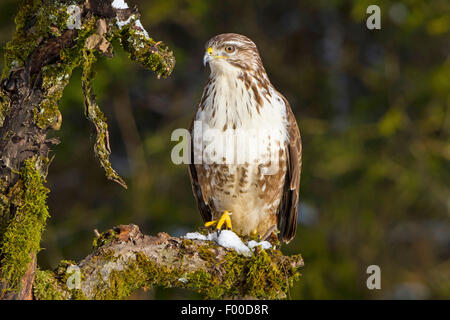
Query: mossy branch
125,260
95,115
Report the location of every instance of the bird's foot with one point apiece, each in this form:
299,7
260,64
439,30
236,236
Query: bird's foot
224,219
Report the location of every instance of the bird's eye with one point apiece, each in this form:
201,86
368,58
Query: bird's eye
229,49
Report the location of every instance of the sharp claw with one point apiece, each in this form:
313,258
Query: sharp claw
224,219
220,223
228,222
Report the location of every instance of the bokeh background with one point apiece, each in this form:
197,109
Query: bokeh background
373,110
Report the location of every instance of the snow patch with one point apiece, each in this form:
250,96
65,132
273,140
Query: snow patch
230,240
119,4
120,24
263,244
184,280
139,25
195,236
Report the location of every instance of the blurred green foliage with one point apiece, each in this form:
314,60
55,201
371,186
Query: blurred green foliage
373,109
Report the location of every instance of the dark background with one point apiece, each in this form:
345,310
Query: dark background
372,107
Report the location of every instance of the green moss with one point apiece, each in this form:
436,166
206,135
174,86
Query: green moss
265,278
45,287
22,235
62,276
36,20
98,119
150,54
55,77
207,252
50,285
4,107
4,207
105,238
61,270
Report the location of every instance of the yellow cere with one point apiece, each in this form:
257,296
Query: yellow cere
209,50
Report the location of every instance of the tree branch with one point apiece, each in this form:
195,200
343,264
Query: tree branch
127,260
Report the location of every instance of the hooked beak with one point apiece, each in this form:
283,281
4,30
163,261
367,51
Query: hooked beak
209,55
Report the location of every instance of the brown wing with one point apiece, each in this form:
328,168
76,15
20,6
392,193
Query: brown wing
200,196
203,206
287,212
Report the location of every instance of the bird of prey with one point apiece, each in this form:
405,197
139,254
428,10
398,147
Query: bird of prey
257,195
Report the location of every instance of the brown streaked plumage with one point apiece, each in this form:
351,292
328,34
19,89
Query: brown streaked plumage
238,100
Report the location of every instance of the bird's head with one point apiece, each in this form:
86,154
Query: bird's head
230,51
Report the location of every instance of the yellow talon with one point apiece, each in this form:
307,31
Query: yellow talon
224,219
255,232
